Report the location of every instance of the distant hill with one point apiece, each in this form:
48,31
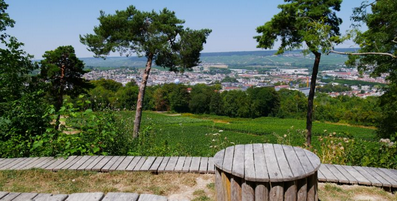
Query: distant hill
245,59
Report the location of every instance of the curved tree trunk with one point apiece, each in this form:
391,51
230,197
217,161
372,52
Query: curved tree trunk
141,95
309,117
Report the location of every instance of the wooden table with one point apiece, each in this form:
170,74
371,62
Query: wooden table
266,172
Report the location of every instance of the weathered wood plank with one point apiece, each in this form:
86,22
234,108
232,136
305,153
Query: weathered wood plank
291,190
373,180
328,174
179,164
276,191
294,162
148,163
25,196
235,188
2,194
88,162
96,160
124,164
305,162
211,166
249,164
140,163
46,163
302,189
218,185
101,163
117,163
380,178
109,164
226,185
313,158
228,160
195,165
352,179
248,193
148,197
272,163
237,168
389,173
321,177
171,164
156,164
36,163
341,178
203,165
361,179
286,159
262,191
218,158
121,197
261,172
11,163
3,161
64,163
79,163
50,197
386,175
71,163
22,164
163,164
10,196
85,196
133,163
186,166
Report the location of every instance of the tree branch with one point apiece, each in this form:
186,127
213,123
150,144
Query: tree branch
365,53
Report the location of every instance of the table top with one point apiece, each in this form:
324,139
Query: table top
267,162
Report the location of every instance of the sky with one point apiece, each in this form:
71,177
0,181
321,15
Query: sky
44,25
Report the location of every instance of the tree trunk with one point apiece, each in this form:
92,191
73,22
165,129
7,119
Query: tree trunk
141,95
309,116
59,103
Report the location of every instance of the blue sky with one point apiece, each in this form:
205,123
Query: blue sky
46,24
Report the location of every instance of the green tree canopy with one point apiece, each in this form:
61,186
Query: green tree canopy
160,37
63,72
310,24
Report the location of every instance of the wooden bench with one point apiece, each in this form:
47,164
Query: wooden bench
266,172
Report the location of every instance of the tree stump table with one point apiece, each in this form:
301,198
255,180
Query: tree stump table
266,172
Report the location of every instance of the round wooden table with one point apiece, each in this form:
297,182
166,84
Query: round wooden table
266,172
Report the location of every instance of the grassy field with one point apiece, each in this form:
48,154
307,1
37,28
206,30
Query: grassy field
203,135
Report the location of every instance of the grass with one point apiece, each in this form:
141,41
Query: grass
192,135
177,186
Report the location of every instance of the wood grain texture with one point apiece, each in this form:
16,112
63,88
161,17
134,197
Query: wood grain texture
291,190
96,160
109,164
283,164
195,165
373,180
238,161
226,186
262,191
249,163
179,164
65,163
79,163
218,158
218,185
186,165
247,191
360,178
148,197
117,163
272,163
133,163
375,174
203,165
85,197
261,172
163,164
50,197
148,163
37,163
352,179
328,174
302,189
341,178
171,164
124,164
228,160
235,186
2,194
121,197
10,196
25,196
211,166
276,191
156,164
101,163
140,163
